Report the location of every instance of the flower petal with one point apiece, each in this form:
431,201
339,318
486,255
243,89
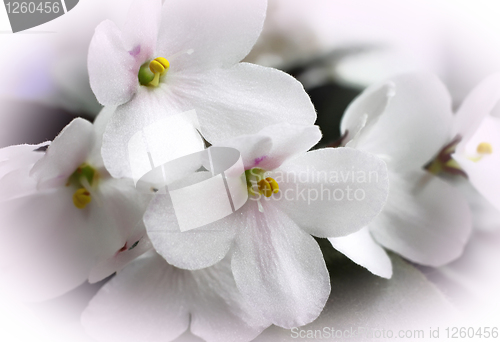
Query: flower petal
65,154
274,144
415,124
151,300
51,250
193,249
332,192
113,70
480,102
121,235
168,131
363,250
288,142
485,216
16,163
279,268
482,172
220,32
145,301
243,99
140,31
254,148
365,111
425,220
223,314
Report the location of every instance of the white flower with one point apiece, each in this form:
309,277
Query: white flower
477,133
65,218
277,265
182,56
150,300
406,121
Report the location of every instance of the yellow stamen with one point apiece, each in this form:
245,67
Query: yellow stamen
484,148
274,185
158,67
268,186
81,198
265,188
163,62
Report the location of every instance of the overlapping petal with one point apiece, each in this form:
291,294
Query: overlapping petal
476,106
65,154
16,163
482,170
113,70
363,250
48,251
425,220
333,192
279,267
146,110
274,144
151,293
414,125
193,249
364,112
244,99
254,149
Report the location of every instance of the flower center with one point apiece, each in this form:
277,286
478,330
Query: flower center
149,74
482,150
258,183
444,162
84,179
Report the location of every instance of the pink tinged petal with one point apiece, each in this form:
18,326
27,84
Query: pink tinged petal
483,172
364,251
242,100
415,124
332,192
220,33
113,70
274,144
193,249
67,152
152,122
279,268
254,148
425,220
479,103
140,31
153,301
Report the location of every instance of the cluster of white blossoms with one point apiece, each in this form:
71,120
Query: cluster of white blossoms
71,211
